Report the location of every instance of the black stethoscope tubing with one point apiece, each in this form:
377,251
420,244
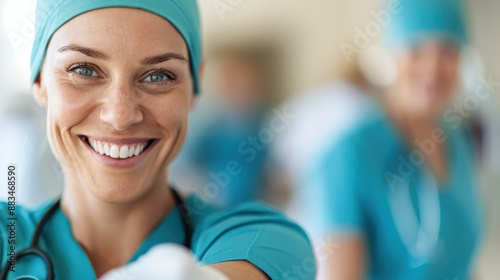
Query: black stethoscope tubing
33,249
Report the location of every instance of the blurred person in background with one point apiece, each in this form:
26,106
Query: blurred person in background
337,107
397,198
220,131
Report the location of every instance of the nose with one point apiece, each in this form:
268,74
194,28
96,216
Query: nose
121,108
434,64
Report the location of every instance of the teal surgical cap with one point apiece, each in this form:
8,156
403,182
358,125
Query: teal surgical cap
413,21
52,14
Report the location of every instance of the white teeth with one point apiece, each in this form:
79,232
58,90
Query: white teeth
100,147
114,151
138,150
106,149
124,152
117,151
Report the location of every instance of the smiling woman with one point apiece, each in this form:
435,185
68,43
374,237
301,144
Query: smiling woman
116,93
118,82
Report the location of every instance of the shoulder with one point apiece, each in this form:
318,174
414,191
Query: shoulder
253,232
373,124
19,225
371,129
10,211
342,169
206,216
463,144
463,135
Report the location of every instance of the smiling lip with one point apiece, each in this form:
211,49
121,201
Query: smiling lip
118,152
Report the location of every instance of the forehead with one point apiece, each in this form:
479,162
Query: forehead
120,31
432,43
429,49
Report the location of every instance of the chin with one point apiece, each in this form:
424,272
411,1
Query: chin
430,112
123,190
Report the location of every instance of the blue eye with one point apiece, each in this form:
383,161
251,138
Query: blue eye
85,71
157,78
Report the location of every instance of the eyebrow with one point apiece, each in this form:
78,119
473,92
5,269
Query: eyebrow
86,51
146,61
162,58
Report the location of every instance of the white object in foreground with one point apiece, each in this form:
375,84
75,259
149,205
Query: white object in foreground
165,262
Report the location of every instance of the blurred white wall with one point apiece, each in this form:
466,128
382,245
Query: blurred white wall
309,33
16,37
22,122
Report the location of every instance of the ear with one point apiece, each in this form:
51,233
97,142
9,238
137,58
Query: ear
39,92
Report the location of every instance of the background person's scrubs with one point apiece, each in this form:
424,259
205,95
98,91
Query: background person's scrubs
355,192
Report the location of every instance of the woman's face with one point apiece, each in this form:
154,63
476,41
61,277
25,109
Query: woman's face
118,88
427,78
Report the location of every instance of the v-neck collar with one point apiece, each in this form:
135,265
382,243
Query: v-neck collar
69,251
402,146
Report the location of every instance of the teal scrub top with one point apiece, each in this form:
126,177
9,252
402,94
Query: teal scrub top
251,232
372,184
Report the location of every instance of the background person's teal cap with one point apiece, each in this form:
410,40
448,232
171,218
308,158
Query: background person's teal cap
52,14
417,20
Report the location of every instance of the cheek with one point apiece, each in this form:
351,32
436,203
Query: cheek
70,104
67,108
449,79
451,73
170,110
172,115
408,74
404,70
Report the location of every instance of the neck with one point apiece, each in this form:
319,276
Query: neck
110,233
419,133
411,126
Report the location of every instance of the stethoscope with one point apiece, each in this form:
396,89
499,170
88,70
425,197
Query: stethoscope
33,249
420,239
